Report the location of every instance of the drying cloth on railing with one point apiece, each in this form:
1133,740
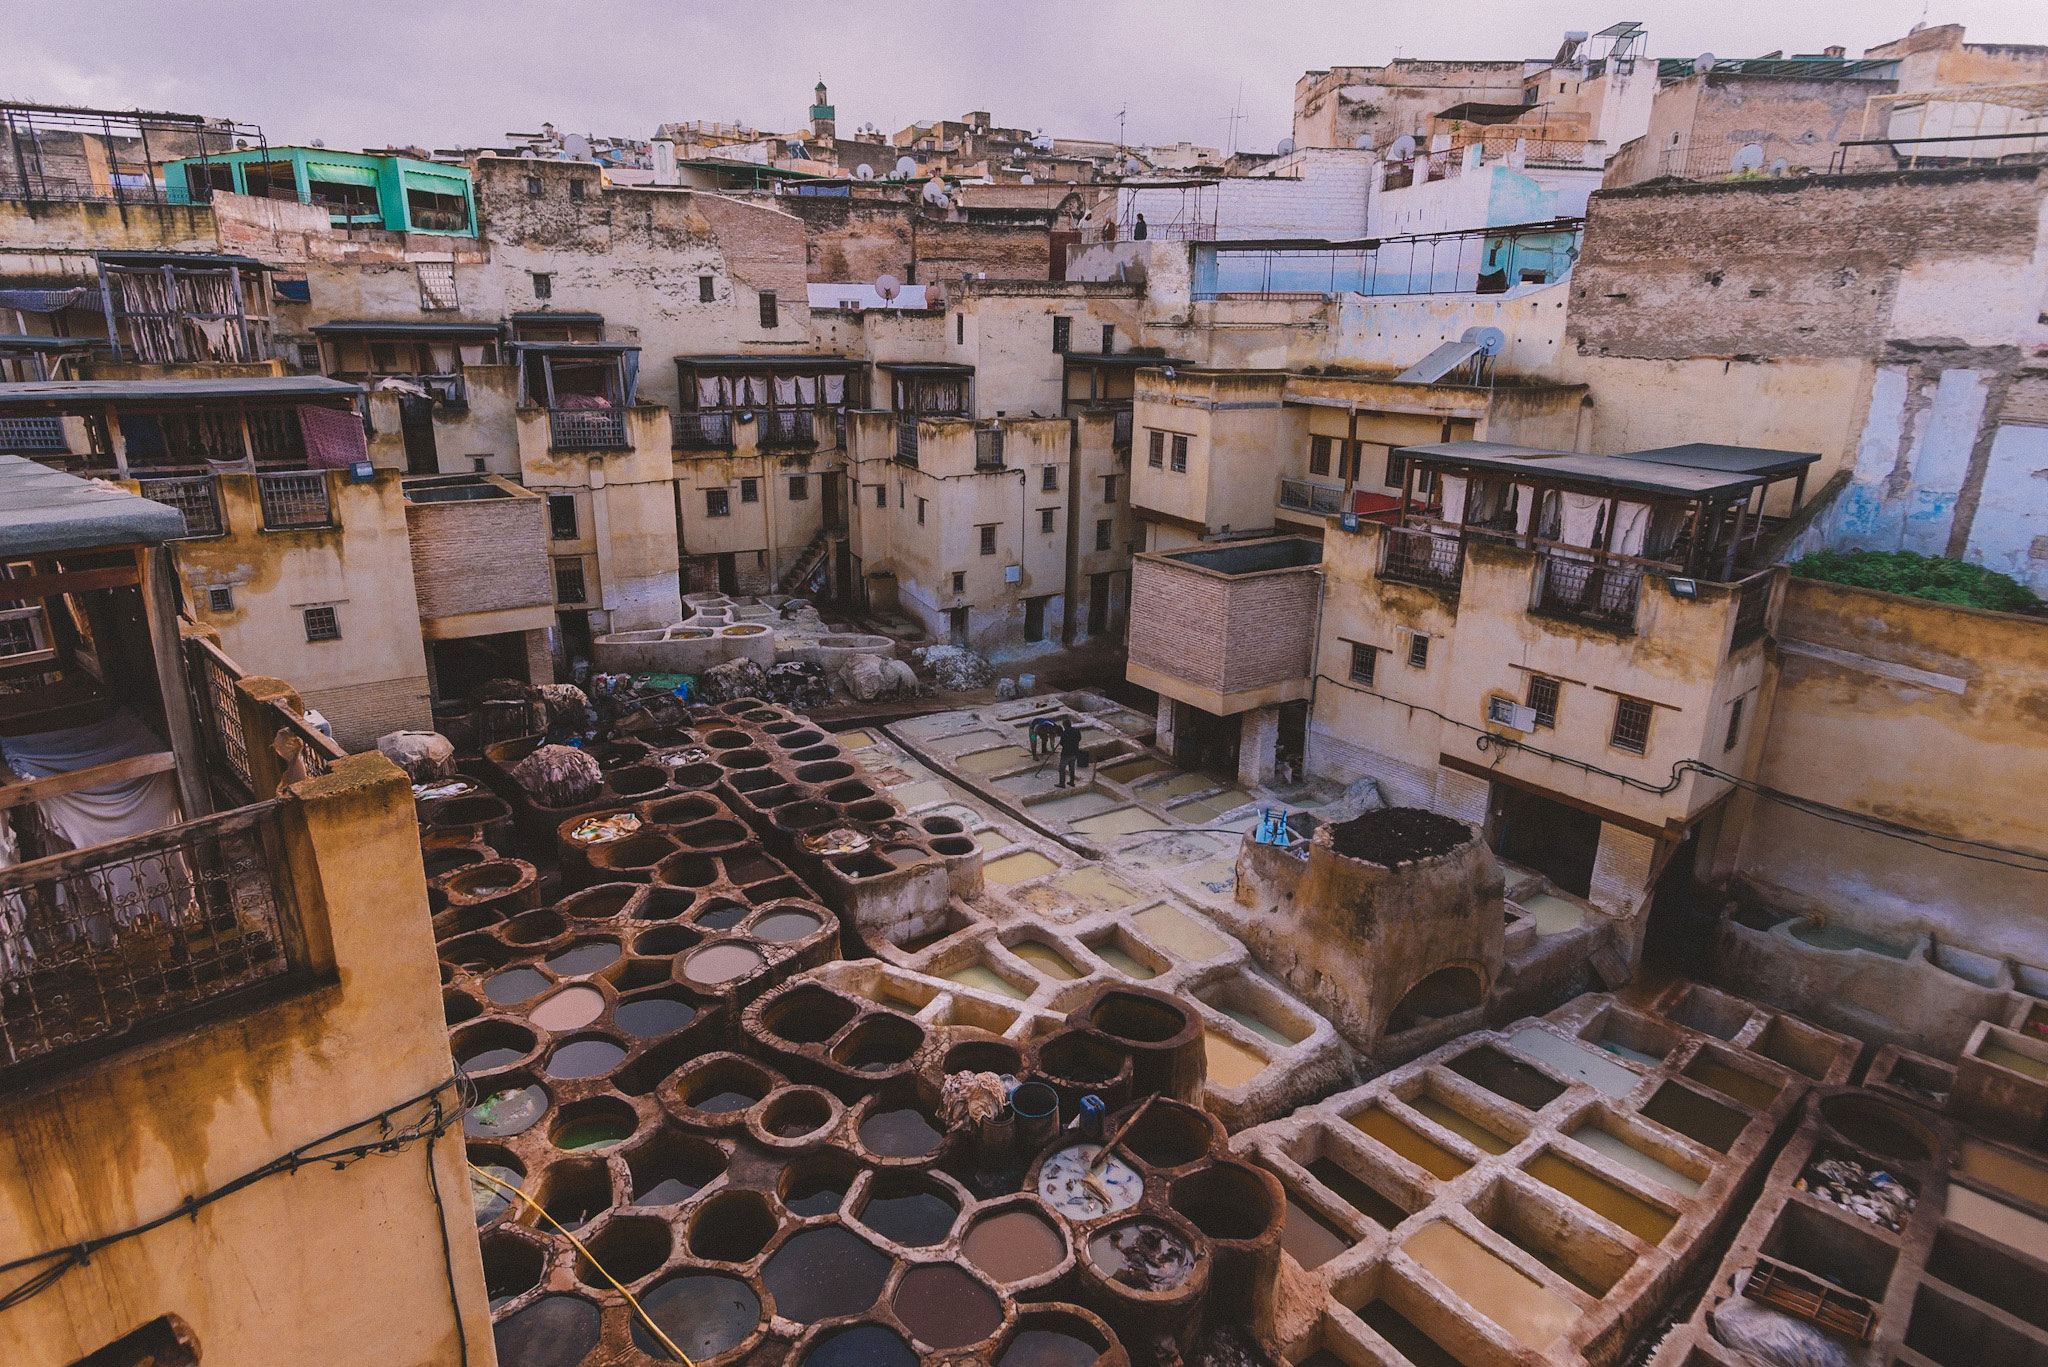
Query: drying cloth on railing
785,390
583,403
49,301
97,815
1631,522
1454,497
1581,518
334,437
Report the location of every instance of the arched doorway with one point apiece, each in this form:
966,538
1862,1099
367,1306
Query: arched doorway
1446,992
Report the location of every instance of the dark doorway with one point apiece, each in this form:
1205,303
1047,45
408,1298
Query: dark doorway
462,665
1098,604
1682,913
728,574
1034,619
1543,834
575,628
416,424
835,502
957,626
1203,741
1290,751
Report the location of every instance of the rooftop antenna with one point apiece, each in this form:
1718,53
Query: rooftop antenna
1234,118
1120,109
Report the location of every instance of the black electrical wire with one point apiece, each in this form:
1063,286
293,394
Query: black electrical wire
429,1127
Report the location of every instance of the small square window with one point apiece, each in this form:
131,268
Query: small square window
1049,479
750,491
770,317
1155,450
959,581
220,598
1108,339
1319,455
1062,333
569,579
1734,724
543,285
707,289
575,189
799,488
717,503
534,189
1418,651
1180,454
1397,470
920,512
881,495
1109,488
988,539
1631,725
1045,517
1104,529
1364,660
1543,700
562,516
323,624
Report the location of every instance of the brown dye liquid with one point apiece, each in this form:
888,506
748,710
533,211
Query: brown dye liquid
1425,1153
1458,1123
945,1308
716,964
1530,1312
1601,1196
1046,959
1408,1340
1013,1246
904,1133
1048,1348
1752,1092
781,926
1309,1238
570,1009
1694,1116
1356,1193
1142,1255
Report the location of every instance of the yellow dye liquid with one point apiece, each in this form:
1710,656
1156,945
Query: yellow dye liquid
1601,1196
1230,1063
1404,1139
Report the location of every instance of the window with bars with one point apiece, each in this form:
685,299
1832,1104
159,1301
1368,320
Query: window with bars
293,499
1542,699
1109,488
575,189
543,285
562,516
1062,333
770,315
1631,725
1418,651
959,581
707,289
750,491
988,538
1104,529
21,631
1319,455
920,512
1180,454
799,488
569,586
534,188
1734,724
323,624
881,495
717,503
1155,450
437,286
1108,339
220,598
1049,479
1364,663
1045,519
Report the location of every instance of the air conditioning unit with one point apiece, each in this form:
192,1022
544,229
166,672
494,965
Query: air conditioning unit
1511,714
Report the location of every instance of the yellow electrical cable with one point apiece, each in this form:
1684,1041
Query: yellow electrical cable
667,1342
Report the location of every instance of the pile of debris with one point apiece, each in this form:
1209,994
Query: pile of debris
953,668
1869,1193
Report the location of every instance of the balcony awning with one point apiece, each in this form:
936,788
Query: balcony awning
924,367
370,327
783,361
93,396
1661,476
211,261
43,511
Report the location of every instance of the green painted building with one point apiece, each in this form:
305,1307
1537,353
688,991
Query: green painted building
360,190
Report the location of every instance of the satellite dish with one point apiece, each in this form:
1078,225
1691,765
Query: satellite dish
1779,166
1403,148
1363,142
1490,341
1749,158
935,192
863,172
1704,62
1286,146
888,286
1029,179
906,166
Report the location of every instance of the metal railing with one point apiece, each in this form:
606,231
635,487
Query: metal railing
695,431
1420,556
1309,497
33,434
1588,590
1752,608
98,942
1120,433
906,440
586,429
294,499
988,448
197,498
786,427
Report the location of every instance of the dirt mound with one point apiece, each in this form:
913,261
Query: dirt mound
1398,835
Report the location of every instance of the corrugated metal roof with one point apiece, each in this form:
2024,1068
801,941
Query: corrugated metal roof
1708,455
83,395
1623,472
43,511
351,327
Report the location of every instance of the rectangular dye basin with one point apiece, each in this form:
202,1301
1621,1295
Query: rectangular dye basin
1046,959
2008,1172
1640,1218
1728,1080
1696,1117
1112,825
1554,915
1230,1064
1379,1124
1616,1149
1533,1315
855,740
1458,1123
1357,1193
1407,1337
1180,785
1017,868
1239,999
1205,811
1572,1250
1595,1067
1841,939
980,975
1132,770
922,793
993,760
1072,806
1112,952
1179,934
2005,1056
1098,885
1999,1222
1529,1088
1309,1238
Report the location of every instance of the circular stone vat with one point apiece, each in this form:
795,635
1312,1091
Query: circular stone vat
480,882
896,1131
515,985
745,759
593,1057
476,952
572,1193
941,825
807,1014
863,1345
984,1056
704,1314
953,846
824,1273
438,862
555,1331
913,1212
1880,1128
853,790
653,1015
803,816
633,780
627,1248
825,771
731,1227
1053,1338
722,1086
665,940
695,775
678,811
715,965
1141,1020
505,1111
492,1201
874,809
663,904
637,853
512,1265
1142,1254
1015,1243
945,1307
687,870
797,740
721,914
728,740
1393,836
713,835
597,1123
600,903
793,1112
1227,1202
570,1009
815,752
784,924
876,1045
815,1185
583,958
473,809
1170,1135
490,1045
533,927
457,1007
670,1168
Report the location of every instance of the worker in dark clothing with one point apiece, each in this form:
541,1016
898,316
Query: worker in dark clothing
1045,737
1138,229
1070,752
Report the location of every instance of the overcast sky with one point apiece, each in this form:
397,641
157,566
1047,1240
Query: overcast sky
375,72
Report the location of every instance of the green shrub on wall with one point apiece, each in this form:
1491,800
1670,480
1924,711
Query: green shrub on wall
1934,577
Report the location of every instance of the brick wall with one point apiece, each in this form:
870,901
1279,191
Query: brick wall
860,239
359,713
1621,870
1228,636
484,556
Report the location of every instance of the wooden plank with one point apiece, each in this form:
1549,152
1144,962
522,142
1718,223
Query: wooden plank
150,842
100,775
37,587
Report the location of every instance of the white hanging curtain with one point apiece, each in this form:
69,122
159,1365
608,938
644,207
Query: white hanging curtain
1581,518
835,389
1667,524
785,391
1525,508
711,391
806,390
1453,487
1631,524
753,391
